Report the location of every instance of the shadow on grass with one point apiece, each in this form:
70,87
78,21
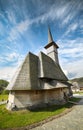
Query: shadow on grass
51,108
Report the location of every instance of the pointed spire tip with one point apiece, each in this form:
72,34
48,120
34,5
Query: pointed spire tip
50,39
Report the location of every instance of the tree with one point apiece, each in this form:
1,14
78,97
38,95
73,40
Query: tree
3,85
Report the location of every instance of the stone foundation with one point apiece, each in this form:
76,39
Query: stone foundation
32,99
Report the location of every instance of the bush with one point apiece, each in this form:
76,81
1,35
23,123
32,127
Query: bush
3,85
4,92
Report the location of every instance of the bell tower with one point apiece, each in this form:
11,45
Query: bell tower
52,48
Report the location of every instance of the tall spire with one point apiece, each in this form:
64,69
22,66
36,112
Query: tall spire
50,39
52,47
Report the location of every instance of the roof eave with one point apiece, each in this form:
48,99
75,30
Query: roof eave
50,44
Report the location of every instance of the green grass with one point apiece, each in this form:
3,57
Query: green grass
81,92
24,117
13,119
3,97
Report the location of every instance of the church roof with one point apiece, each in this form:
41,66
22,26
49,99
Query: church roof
33,70
50,69
26,76
54,84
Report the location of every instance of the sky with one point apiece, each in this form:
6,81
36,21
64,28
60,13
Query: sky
24,28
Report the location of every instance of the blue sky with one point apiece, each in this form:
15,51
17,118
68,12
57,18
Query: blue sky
23,28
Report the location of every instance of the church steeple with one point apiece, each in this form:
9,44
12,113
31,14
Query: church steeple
50,39
52,47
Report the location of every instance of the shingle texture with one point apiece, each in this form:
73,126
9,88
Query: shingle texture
50,69
26,77
34,69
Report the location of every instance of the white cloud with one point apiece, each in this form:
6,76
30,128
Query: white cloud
13,35
52,13
66,19
71,46
8,47
23,25
13,59
18,29
12,56
2,29
71,28
62,12
71,57
41,48
11,16
9,57
6,73
1,59
74,69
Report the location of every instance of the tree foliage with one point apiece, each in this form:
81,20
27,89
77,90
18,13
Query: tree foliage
3,85
79,81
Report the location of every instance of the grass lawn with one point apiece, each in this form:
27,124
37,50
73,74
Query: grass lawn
12,119
3,97
81,92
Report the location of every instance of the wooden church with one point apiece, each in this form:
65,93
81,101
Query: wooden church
39,80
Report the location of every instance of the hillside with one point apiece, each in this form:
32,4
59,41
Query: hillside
79,81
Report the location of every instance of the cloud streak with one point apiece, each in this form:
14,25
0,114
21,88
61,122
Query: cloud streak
7,72
71,57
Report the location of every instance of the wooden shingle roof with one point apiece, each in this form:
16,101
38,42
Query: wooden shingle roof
50,69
